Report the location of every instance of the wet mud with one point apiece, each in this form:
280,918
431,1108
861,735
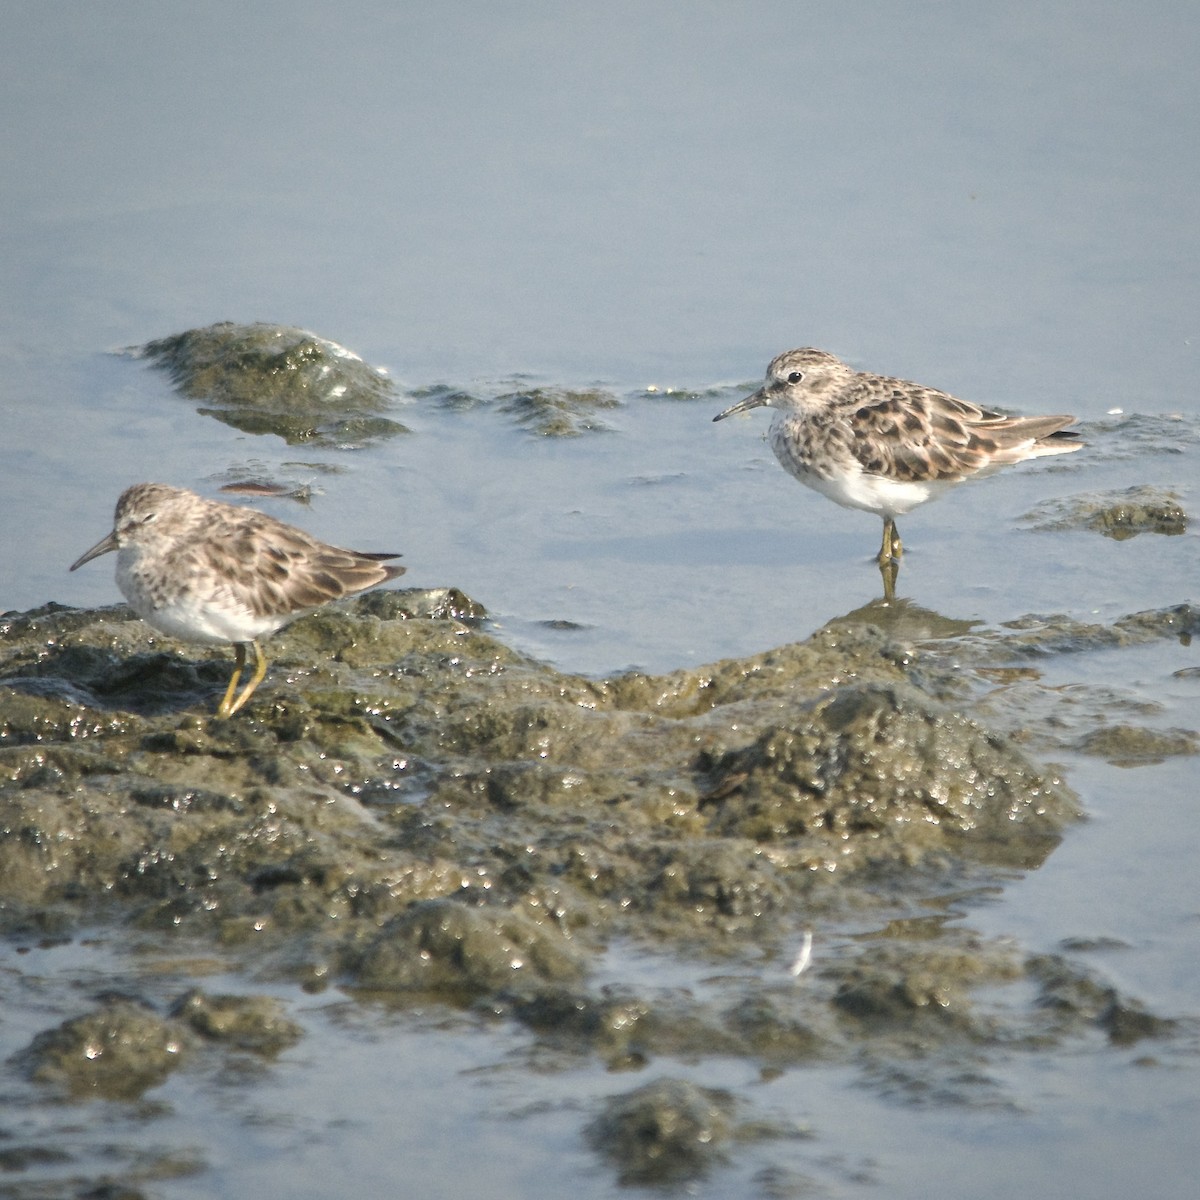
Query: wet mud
412,812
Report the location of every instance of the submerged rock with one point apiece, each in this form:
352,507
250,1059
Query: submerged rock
541,410
559,412
1132,745
668,1132
264,378
254,1023
1076,999
116,1052
1120,515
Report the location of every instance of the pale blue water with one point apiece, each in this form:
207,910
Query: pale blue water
999,202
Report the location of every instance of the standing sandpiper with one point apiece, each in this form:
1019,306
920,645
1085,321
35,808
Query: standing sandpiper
203,571
886,445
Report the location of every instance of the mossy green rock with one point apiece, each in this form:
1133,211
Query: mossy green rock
253,1023
1119,515
669,1132
880,769
263,378
116,1052
462,951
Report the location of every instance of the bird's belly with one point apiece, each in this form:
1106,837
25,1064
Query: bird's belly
192,617
873,493
840,477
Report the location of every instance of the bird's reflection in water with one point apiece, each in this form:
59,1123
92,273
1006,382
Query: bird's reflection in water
906,620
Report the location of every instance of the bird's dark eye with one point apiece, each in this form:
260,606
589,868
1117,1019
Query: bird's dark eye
795,377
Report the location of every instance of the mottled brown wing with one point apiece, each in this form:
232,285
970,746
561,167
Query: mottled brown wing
275,568
906,432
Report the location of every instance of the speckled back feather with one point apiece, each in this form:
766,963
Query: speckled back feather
908,432
244,556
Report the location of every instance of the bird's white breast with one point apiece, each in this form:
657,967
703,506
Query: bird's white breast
840,476
873,493
195,607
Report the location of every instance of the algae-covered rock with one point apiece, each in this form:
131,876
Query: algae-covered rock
413,811
558,412
445,947
630,1026
1119,515
697,800
894,984
874,768
1076,998
668,1132
727,877
254,1023
626,1030
1132,745
409,805
778,1028
264,378
116,1052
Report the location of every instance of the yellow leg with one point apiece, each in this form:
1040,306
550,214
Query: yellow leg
892,548
889,558
224,709
229,705
889,570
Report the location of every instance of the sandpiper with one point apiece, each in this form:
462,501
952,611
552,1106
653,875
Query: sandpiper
886,445
203,571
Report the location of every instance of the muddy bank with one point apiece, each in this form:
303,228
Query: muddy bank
402,754
413,812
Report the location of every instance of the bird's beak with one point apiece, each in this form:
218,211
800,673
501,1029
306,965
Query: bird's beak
756,401
101,547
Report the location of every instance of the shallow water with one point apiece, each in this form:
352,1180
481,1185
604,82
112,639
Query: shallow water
636,197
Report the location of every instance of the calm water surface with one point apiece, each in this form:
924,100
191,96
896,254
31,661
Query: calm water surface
637,196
